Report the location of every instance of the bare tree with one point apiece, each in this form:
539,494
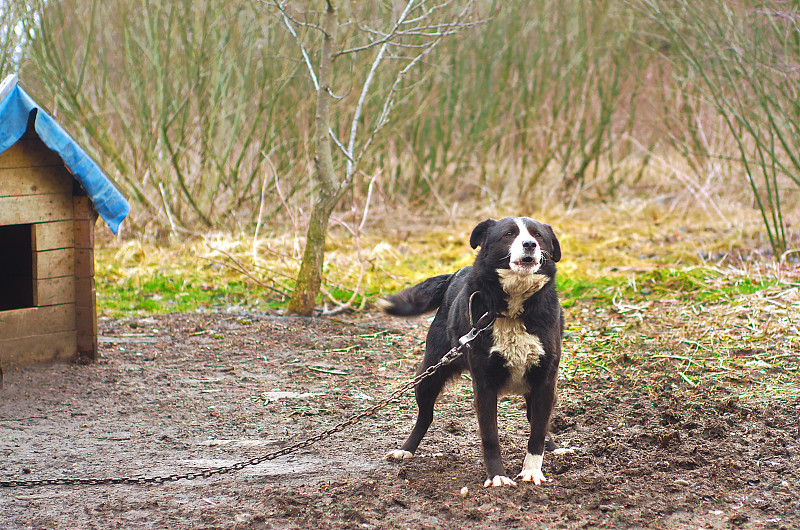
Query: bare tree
402,44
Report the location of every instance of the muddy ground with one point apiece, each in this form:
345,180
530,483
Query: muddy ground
178,393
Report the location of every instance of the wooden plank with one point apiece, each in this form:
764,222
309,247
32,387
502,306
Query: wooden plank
86,331
34,181
84,233
50,236
83,208
55,263
85,296
54,291
38,349
84,263
29,152
84,291
35,209
20,323
84,244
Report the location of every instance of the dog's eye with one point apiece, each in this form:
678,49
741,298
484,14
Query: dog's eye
510,233
537,234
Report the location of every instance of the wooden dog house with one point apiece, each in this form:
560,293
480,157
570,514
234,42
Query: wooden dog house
50,195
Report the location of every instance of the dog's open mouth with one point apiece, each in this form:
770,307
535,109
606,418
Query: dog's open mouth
525,264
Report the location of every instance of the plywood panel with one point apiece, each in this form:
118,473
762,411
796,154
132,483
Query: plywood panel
58,234
34,181
38,349
29,152
54,291
35,209
21,323
55,263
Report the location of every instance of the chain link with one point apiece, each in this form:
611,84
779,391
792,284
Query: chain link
464,343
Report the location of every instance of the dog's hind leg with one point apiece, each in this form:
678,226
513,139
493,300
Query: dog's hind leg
426,392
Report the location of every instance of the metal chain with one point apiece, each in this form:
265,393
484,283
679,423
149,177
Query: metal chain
463,343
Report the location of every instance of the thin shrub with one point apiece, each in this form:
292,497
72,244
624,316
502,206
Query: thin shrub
188,106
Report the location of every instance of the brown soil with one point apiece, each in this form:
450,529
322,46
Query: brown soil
178,393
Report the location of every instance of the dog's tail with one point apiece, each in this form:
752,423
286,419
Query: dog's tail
421,298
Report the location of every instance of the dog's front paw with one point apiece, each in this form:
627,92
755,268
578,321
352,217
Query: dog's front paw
498,480
535,475
532,469
399,454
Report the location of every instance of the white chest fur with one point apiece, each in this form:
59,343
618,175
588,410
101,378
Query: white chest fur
521,349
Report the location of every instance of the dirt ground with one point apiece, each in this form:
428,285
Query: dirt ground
178,393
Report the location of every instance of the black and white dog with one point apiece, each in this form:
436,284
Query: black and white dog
512,278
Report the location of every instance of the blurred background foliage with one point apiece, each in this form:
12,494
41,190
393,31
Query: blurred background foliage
202,113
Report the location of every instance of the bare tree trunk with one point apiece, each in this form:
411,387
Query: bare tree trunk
412,23
327,190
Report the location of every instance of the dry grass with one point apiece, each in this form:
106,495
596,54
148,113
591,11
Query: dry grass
642,282
702,319
752,338
622,241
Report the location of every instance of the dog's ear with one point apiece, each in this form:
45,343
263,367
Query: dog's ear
478,236
556,246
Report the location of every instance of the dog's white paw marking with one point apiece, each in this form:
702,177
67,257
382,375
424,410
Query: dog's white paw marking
497,481
532,469
535,476
399,454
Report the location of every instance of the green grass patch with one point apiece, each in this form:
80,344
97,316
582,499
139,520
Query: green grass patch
698,284
139,280
574,288
188,286
225,272
168,293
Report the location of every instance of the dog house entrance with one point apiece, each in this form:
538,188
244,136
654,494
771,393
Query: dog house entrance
17,277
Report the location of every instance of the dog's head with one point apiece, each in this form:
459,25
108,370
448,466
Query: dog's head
520,244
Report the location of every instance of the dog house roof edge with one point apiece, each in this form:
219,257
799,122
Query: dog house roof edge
16,107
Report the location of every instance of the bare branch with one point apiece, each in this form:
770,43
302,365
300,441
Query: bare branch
387,37
389,100
428,31
282,7
344,150
367,201
364,47
334,96
238,266
288,23
365,90
432,31
427,13
261,204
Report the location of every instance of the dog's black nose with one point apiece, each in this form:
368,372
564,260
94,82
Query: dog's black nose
529,244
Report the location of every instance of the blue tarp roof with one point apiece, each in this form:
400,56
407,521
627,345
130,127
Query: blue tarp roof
15,109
